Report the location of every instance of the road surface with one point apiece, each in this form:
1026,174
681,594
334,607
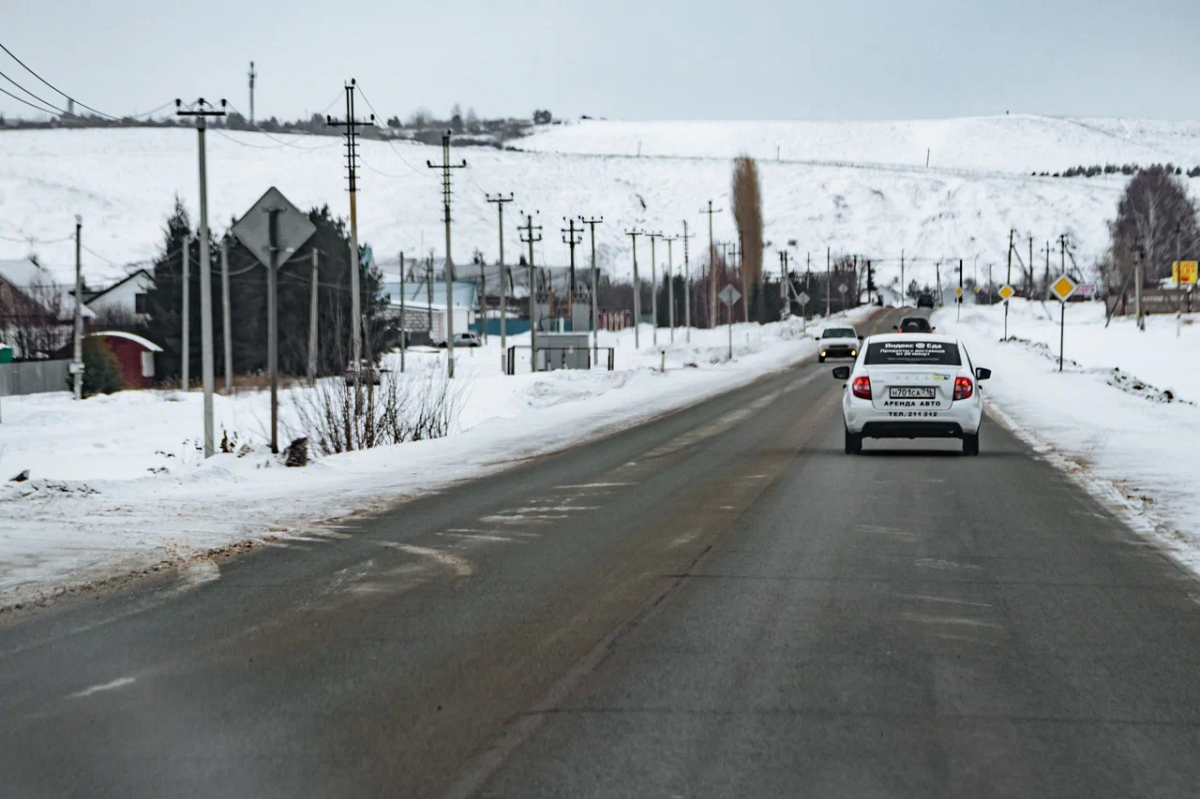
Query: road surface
719,603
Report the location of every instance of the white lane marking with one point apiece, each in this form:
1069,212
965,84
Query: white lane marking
945,565
962,639
944,599
596,485
520,533
461,566
546,508
108,686
521,517
728,507
502,539
956,620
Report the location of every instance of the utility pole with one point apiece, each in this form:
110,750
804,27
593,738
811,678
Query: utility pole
938,274
670,285
429,296
1008,277
959,298
570,240
591,223
903,285
312,321
403,317
712,272
500,200
252,75
273,322
226,315
637,292
446,166
185,333
77,360
654,289
1137,285
1031,265
530,239
828,282
351,124
687,286
201,111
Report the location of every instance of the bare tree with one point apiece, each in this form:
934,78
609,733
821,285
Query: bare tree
1156,215
34,318
747,212
420,117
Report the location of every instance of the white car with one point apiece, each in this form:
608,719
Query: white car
468,339
912,385
838,342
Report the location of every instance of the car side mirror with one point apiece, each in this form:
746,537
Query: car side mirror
895,327
932,328
981,373
860,338
842,372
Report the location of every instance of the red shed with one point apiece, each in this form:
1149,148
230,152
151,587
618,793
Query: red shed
135,353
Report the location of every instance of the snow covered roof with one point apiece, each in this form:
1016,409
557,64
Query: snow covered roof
140,273
25,275
145,342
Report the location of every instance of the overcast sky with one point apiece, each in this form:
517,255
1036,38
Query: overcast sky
673,59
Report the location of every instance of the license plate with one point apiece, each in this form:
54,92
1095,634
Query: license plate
906,392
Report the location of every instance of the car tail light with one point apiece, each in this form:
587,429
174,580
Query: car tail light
861,387
963,388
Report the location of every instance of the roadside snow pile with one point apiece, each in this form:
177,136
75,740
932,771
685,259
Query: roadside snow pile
119,483
1122,417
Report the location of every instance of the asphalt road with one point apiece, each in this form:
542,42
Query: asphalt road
719,603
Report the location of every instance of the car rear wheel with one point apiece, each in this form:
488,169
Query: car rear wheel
971,444
820,359
853,443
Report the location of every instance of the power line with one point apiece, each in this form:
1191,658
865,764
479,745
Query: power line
26,102
51,85
42,100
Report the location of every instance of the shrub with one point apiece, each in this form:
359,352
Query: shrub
101,369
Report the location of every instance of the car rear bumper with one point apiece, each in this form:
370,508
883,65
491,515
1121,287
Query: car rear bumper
961,418
839,351
907,429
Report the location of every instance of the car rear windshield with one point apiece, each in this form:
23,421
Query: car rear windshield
915,323
936,353
838,332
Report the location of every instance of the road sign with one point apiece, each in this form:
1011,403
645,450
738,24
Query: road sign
292,227
1064,287
1006,292
729,295
1184,272
977,289
843,289
958,292
803,299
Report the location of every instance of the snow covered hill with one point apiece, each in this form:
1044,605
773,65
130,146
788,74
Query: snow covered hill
873,201
1019,143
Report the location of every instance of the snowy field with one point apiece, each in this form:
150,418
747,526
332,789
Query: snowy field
119,482
1123,417
124,183
1020,143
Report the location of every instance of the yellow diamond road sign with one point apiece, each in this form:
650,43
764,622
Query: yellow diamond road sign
1007,291
1184,272
958,292
1064,287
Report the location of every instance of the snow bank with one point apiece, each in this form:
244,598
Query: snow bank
1123,417
119,482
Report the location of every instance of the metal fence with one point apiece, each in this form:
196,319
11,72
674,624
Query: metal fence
33,377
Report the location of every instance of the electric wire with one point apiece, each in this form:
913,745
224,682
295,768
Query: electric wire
51,85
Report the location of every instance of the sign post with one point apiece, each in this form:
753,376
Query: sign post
729,295
958,299
803,299
1006,292
1184,273
1063,288
273,225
